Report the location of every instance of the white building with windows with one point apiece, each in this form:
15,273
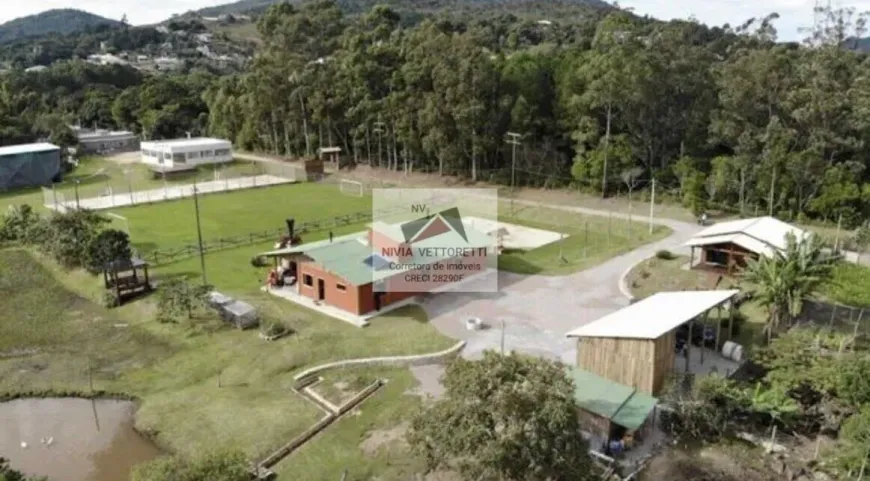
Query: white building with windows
185,154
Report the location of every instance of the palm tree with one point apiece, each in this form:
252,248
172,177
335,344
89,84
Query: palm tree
784,279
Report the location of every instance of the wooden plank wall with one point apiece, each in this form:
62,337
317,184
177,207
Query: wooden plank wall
665,357
626,361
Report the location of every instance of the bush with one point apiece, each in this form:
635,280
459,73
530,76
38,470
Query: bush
275,329
665,255
259,261
110,300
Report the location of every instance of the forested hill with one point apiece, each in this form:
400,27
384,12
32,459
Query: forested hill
355,6
61,21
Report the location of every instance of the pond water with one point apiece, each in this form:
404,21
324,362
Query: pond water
70,439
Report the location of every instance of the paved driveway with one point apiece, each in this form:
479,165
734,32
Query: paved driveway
537,311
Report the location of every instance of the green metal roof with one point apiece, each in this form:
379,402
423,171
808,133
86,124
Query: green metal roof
621,404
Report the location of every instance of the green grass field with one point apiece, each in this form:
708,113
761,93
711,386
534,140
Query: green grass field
202,388
171,224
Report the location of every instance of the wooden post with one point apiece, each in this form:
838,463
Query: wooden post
703,335
731,320
718,325
689,344
772,439
692,258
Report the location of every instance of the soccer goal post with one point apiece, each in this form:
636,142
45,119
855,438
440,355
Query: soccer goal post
351,187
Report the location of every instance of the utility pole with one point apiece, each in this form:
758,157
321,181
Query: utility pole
652,204
199,234
379,130
742,187
772,185
837,238
502,337
76,186
514,140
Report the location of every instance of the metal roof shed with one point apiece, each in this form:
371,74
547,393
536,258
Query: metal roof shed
729,244
635,345
29,165
241,314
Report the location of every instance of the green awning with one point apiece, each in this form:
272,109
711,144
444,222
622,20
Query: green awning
619,403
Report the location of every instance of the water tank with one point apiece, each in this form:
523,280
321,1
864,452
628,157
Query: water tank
732,350
728,349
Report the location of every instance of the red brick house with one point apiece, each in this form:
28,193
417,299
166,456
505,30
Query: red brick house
363,273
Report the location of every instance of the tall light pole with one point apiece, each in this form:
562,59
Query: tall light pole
199,234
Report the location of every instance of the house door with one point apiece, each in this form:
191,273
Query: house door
379,299
321,290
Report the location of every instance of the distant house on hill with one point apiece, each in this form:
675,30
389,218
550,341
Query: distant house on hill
36,68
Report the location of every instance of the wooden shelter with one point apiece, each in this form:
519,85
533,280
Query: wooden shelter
730,245
126,278
329,154
636,346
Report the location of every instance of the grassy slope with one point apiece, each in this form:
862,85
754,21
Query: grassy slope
174,369
590,240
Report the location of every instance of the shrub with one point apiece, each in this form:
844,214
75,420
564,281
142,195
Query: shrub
665,255
110,300
259,261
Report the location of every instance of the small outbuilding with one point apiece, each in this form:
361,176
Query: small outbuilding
636,346
610,410
238,313
730,245
185,154
126,278
29,165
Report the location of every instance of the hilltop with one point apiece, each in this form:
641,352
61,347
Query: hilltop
59,21
354,6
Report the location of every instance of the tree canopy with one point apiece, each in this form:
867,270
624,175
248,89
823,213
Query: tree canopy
505,417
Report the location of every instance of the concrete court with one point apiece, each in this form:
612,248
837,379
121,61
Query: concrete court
538,311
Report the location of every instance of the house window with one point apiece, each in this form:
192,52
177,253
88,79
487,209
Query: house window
341,287
207,153
179,158
192,155
307,280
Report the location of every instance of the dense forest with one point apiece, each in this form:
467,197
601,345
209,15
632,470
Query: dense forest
608,102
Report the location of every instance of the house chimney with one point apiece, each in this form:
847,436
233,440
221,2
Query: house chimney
188,135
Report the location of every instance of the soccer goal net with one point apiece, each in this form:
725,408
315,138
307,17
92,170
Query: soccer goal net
351,187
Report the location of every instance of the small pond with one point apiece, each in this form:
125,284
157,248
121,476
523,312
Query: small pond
70,439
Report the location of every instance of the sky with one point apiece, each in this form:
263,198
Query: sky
793,13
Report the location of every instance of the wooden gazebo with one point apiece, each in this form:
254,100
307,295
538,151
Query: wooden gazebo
329,154
126,278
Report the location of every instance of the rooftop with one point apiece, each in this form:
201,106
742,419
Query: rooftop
196,141
99,134
619,403
27,148
654,316
762,235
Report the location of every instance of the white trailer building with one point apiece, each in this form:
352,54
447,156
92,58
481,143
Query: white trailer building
185,154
